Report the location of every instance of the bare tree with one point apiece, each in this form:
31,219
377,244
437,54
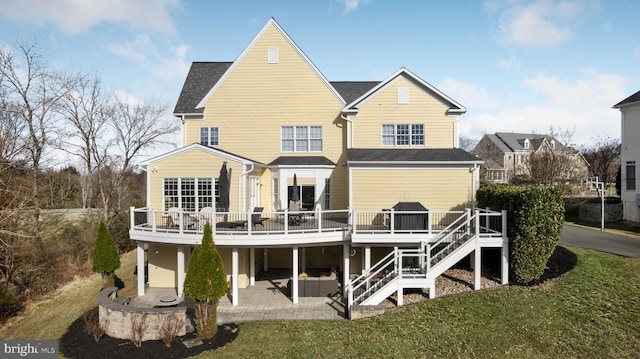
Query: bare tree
136,127
468,143
34,91
563,135
85,110
603,156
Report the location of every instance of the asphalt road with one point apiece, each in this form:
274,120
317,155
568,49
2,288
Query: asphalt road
591,238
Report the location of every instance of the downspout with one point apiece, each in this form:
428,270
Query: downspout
349,129
183,133
146,169
473,185
243,181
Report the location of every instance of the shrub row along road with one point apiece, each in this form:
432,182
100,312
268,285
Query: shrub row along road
590,238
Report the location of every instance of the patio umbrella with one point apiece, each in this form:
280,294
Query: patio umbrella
224,187
295,197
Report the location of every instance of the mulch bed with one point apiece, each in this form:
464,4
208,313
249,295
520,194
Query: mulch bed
77,343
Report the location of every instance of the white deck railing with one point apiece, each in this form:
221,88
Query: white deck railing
241,223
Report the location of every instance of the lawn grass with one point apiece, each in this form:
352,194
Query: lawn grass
592,311
50,317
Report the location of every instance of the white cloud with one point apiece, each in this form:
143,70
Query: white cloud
351,5
542,23
469,95
162,64
584,104
74,17
509,64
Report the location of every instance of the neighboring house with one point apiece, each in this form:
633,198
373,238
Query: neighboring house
630,156
347,151
508,156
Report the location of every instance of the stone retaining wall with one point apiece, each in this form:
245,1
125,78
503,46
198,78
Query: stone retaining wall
592,212
116,317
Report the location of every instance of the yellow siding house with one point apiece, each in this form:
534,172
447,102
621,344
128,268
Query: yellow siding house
319,172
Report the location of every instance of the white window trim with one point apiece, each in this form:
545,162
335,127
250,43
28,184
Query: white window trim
214,182
395,134
209,135
295,127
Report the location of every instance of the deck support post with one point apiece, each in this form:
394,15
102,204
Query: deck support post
294,277
234,276
505,249
252,266
367,258
477,256
181,270
140,264
505,262
266,259
345,267
400,295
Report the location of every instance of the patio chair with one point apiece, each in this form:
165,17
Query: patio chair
256,216
174,216
205,215
295,217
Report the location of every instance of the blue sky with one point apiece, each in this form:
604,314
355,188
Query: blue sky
517,66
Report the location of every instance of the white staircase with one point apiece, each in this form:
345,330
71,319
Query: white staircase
418,268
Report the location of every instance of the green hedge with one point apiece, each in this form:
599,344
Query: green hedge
534,222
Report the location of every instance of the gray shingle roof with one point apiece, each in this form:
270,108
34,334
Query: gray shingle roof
631,99
515,141
411,155
201,78
302,161
351,90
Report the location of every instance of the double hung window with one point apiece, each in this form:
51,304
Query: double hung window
403,135
209,136
631,175
301,138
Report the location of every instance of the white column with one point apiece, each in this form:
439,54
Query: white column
400,296
303,259
505,261
345,270
140,264
477,255
234,276
252,266
294,277
367,257
180,270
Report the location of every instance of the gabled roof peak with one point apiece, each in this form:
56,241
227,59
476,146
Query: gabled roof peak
271,23
454,107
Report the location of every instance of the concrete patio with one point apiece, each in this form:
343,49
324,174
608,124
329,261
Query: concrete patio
266,300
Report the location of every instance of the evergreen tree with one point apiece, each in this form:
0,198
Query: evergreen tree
106,258
206,283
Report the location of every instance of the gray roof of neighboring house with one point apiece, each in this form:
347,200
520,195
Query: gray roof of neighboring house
302,161
351,90
411,155
631,99
515,141
201,78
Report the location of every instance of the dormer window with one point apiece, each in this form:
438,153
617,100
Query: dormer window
527,143
553,144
